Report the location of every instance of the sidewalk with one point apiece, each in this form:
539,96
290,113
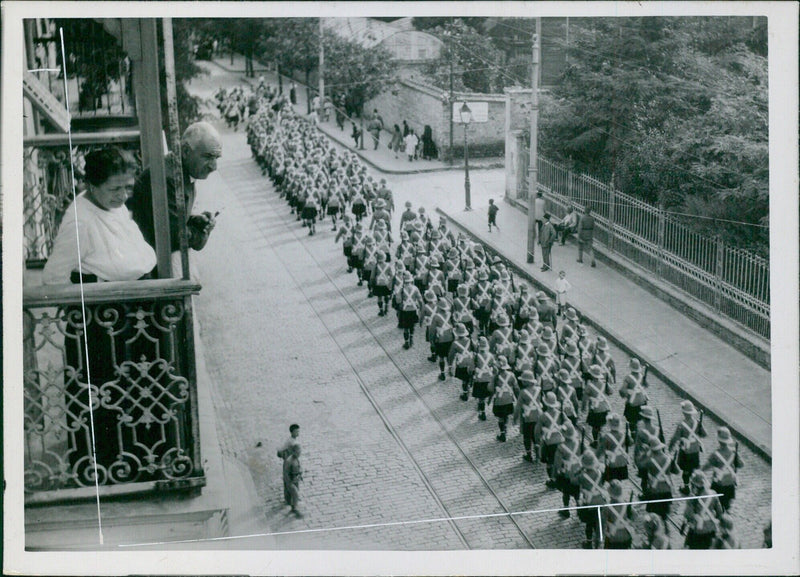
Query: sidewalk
680,352
382,159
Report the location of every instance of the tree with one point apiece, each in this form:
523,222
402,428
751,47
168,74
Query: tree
476,63
675,109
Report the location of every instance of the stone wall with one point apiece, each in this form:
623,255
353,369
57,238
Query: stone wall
517,121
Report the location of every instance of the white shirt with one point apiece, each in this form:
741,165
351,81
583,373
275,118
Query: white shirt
411,143
111,245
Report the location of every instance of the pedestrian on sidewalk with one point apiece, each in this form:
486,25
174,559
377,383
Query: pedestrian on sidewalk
538,212
586,235
340,115
292,475
568,225
563,286
396,144
284,449
356,134
374,128
547,237
293,94
493,210
411,142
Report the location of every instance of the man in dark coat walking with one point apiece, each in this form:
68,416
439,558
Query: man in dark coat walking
586,235
547,237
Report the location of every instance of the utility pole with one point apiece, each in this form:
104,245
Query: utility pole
533,169
450,54
321,72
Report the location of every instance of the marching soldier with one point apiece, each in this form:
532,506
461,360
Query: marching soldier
526,411
421,267
595,401
548,431
380,282
603,359
370,259
524,354
482,301
618,531
484,361
505,391
687,437
591,494
462,358
571,362
346,233
547,310
548,338
659,485
701,514
724,463
655,536
632,390
410,306
461,308
428,311
452,271
726,538
546,363
566,396
645,431
569,330
614,449
500,342
441,335
435,280
567,467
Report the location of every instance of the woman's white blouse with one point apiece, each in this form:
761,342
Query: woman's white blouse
111,245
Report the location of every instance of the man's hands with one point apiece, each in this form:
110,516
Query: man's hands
200,227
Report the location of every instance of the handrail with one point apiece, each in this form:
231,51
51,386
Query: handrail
93,293
79,138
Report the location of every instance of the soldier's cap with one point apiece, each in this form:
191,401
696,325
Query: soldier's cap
571,349
483,342
403,235
687,408
636,366
443,304
525,365
652,523
656,444
418,225
589,459
502,362
726,522
542,349
407,277
602,343
647,413
502,321
483,275
452,253
699,478
462,290
381,256
433,262
435,233
430,296
596,371
460,330
527,377
572,315
524,336
547,383
547,333
615,489
468,263
724,436
497,260
369,240
550,400
563,376
422,210
408,204
582,330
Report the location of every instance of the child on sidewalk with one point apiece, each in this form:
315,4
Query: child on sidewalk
562,286
493,215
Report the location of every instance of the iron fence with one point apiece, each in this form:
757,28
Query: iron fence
112,400
733,281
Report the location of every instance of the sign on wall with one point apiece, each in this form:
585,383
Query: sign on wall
479,111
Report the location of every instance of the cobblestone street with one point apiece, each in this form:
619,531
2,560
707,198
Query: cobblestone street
289,337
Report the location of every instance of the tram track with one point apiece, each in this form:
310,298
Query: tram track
396,435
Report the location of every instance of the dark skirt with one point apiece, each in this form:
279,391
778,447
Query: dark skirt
333,210
348,250
626,544
728,493
699,540
381,290
688,462
359,209
443,349
309,212
452,285
549,453
589,516
631,413
501,411
408,319
567,487
480,389
463,373
661,509
620,473
596,420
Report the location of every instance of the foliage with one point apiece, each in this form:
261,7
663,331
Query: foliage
185,70
476,62
676,111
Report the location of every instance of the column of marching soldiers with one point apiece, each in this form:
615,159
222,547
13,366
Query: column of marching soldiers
503,344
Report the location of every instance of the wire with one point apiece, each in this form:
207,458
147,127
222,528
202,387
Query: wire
83,299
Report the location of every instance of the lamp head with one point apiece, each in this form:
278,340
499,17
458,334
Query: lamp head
466,113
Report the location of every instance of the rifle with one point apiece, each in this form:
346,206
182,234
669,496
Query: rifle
627,437
660,428
736,458
629,507
583,433
700,430
644,375
562,411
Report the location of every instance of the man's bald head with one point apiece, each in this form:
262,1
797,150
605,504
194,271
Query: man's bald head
201,147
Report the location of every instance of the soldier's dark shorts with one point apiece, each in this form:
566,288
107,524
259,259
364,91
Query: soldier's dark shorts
699,540
443,349
480,390
463,373
408,319
549,453
333,210
620,473
688,461
596,420
661,509
501,411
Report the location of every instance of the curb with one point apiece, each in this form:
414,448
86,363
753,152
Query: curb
663,375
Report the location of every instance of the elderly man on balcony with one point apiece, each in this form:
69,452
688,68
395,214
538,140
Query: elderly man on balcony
200,150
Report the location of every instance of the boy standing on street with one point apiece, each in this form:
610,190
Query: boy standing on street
292,475
493,215
562,287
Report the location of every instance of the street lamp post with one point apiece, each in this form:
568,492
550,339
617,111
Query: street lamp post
466,116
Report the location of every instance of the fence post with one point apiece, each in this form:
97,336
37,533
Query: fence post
612,197
570,187
720,270
661,230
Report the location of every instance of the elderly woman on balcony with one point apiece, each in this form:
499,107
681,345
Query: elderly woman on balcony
97,238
